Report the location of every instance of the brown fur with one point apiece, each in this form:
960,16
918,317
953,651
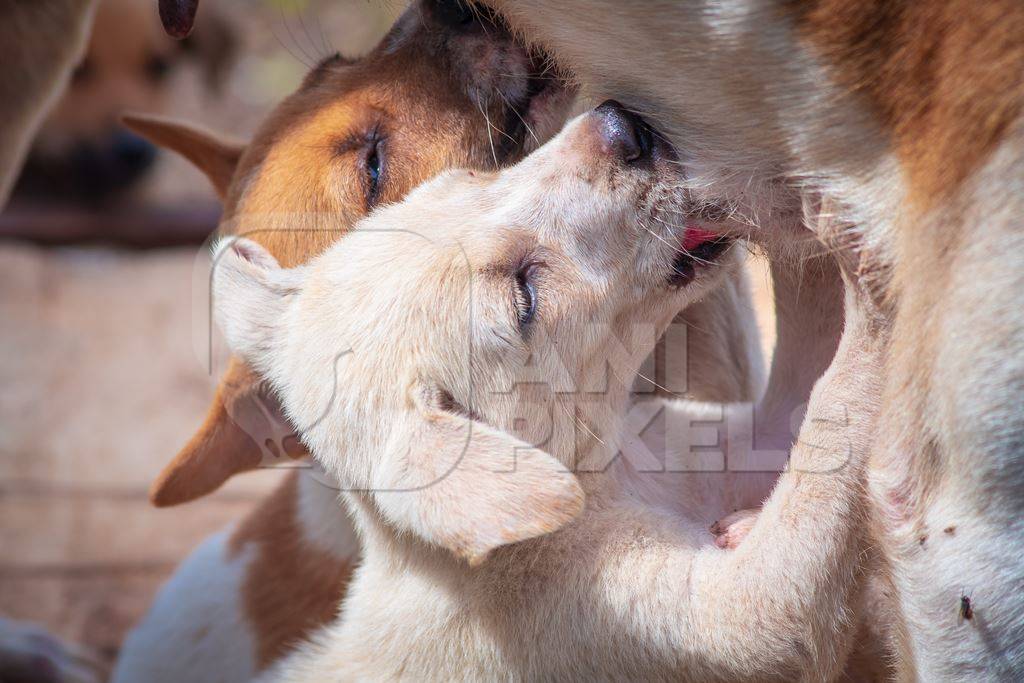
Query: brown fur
906,115
81,152
937,83
283,611
944,81
296,192
222,446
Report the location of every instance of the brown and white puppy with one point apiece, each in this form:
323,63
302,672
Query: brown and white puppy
40,42
82,153
456,358
444,89
906,118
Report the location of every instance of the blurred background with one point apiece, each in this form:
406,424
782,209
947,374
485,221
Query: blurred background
100,382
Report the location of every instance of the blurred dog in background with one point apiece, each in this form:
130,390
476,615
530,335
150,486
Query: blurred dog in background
39,44
82,154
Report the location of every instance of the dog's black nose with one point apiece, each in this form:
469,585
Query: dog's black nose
104,171
623,133
130,154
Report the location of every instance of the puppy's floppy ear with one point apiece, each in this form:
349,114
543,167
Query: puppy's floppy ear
215,156
244,428
470,488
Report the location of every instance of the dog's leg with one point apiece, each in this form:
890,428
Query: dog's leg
797,570
781,605
40,43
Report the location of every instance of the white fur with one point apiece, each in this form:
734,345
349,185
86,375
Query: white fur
630,588
197,628
199,611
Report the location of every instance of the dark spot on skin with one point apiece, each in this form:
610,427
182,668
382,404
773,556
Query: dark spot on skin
921,539
949,530
966,608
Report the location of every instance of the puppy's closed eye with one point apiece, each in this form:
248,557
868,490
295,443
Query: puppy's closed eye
525,296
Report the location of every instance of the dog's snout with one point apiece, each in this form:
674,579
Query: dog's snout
91,171
131,154
623,134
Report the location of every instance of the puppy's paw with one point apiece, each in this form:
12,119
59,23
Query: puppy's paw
732,529
29,653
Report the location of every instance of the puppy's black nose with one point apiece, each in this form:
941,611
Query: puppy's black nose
623,133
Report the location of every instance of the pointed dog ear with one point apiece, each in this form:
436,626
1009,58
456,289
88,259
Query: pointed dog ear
470,488
244,428
215,156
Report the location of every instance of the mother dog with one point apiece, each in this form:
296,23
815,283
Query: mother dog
906,117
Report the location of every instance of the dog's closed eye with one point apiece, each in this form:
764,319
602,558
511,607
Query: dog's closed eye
369,149
373,169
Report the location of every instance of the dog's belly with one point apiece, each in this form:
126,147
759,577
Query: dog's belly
948,474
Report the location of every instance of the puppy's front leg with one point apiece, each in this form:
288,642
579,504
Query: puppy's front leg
779,605
40,42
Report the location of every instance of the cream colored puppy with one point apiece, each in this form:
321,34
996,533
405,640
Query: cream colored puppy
454,360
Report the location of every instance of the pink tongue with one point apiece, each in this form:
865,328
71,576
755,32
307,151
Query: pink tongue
695,237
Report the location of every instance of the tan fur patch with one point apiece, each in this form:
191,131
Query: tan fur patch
291,588
942,77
